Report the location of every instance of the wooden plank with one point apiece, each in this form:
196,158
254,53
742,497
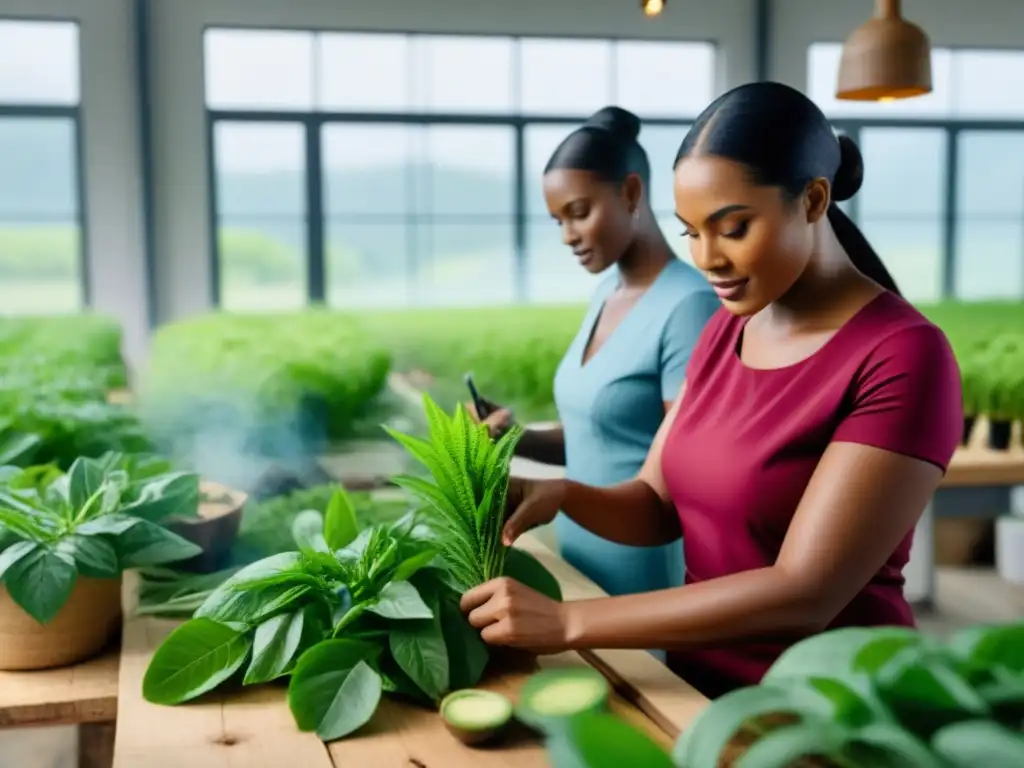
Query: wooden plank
251,728
638,677
976,464
83,693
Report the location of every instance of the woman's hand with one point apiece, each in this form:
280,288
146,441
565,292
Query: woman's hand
509,613
497,419
530,503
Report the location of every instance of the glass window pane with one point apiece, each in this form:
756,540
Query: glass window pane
655,79
367,169
465,264
39,62
823,71
904,221
369,261
364,72
468,171
552,274
463,74
985,81
40,248
259,69
990,215
261,178
565,77
661,143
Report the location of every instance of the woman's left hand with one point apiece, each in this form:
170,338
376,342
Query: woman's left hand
508,613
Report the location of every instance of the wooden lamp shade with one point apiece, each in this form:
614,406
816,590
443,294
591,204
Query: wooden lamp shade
886,58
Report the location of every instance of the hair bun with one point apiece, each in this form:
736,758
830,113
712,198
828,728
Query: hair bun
621,122
850,175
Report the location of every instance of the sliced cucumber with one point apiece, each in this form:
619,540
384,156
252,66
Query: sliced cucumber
556,694
475,716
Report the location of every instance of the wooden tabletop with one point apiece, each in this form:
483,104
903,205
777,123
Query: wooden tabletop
83,693
976,465
255,727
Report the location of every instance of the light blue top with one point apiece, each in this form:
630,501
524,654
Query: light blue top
611,408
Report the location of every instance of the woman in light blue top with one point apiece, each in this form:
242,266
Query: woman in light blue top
627,363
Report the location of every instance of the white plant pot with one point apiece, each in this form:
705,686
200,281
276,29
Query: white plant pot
1010,549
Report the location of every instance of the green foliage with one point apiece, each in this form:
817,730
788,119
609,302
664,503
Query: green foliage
55,374
255,377
886,697
513,352
376,615
101,518
466,497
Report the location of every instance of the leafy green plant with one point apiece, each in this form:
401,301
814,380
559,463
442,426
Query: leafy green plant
465,498
100,518
350,616
885,697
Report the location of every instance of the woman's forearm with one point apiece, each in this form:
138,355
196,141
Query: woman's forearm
629,513
546,446
761,604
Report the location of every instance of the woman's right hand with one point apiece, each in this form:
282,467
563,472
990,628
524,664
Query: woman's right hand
498,419
531,503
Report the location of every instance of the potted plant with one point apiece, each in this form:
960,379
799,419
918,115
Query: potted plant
65,540
879,697
999,367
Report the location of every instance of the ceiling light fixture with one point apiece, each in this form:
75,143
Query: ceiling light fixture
885,59
652,7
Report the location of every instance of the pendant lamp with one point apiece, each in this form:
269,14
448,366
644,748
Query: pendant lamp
652,7
887,58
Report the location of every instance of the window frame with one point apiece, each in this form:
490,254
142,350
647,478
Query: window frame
316,120
73,114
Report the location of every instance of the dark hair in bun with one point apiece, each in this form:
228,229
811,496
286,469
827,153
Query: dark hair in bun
606,145
785,141
850,174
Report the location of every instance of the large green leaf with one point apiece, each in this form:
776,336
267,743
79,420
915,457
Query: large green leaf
18,447
84,481
319,675
420,650
94,556
598,740
274,646
194,659
40,582
353,705
400,600
340,526
145,544
979,744
14,553
308,531
231,601
174,495
526,569
983,648
467,652
842,652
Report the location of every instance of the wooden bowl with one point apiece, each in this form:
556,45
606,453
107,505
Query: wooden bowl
80,630
214,529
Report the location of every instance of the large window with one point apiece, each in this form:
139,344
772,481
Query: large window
40,208
381,169
943,195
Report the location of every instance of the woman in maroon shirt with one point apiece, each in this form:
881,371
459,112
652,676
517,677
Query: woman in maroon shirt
818,415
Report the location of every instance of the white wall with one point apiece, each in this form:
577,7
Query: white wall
116,263
180,152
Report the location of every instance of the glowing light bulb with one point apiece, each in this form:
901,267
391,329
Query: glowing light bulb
652,7
886,99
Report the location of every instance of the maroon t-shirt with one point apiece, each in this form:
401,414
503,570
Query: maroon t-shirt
745,443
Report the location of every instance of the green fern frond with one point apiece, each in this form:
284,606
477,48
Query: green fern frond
465,499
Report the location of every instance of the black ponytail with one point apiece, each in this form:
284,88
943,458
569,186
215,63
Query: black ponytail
605,145
785,141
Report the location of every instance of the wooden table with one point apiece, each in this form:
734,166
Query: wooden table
974,467
83,695
255,728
